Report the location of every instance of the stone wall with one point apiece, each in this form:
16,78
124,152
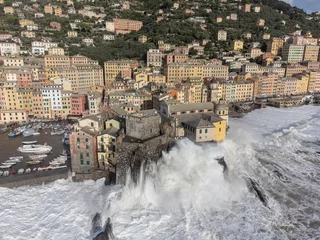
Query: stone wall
131,155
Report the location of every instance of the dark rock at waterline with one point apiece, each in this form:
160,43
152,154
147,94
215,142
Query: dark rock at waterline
254,187
223,163
107,234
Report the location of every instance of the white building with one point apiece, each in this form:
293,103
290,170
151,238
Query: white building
108,37
222,35
87,41
52,97
39,48
94,100
32,27
9,48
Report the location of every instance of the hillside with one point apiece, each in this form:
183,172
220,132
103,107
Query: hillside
165,20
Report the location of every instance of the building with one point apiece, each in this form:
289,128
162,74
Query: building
117,69
314,81
8,10
143,125
257,9
255,52
154,58
108,37
78,104
237,45
199,122
10,116
247,8
294,69
25,22
266,36
13,62
28,34
219,19
87,41
56,51
123,26
9,48
275,46
58,11
260,22
94,102
72,34
311,53
143,39
293,53
48,9
83,150
55,25
222,35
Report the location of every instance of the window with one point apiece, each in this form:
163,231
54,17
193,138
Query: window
200,131
219,129
88,155
92,124
81,162
101,139
81,156
87,147
87,139
88,162
206,130
78,139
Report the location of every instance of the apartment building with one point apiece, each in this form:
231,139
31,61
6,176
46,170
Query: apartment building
215,71
123,26
94,102
287,86
265,85
8,10
48,9
56,51
293,53
114,70
311,53
237,45
314,81
9,48
154,58
222,35
78,104
293,69
260,22
10,116
275,46
302,83
13,62
25,22
72,34
58,11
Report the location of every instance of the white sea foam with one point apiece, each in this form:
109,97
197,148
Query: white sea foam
187,196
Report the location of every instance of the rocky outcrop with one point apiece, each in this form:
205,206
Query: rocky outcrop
132,154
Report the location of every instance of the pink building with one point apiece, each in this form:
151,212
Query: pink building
24,79
55,25
78,104
5,36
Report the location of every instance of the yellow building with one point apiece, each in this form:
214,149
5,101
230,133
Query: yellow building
114,70
48,9
181,71
58,11
302,83
275,46
66,103
311,53
56,51
25,22
219,19
260,22
237,45
142,76
72,34
8,10
157,78
314,81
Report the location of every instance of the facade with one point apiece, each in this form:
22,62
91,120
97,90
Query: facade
9,116
237,45
72,34
154,58
293,53
113,70
311,53
78,104
94,102
123,26
222,35
260,22
13,62
48,9
9,48
314,81
143,39
56,51
275,46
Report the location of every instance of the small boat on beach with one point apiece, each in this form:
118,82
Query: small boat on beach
9,164
5,166
56,131
35,170
16,157
21,171
28,170
12,161
6,173
14,134
36,157
1,173
13,171
29,142
29,132
36,134
33,162
36,149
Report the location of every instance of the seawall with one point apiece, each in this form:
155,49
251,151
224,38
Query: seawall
37,178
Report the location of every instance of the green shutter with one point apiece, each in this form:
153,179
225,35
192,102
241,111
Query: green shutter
81,162
88,163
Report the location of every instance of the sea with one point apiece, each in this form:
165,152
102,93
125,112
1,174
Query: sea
270,190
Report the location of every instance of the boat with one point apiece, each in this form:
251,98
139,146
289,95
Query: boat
16,157
40,169
29,142
5,166
56,167
14,134
1,173
29,132
13,161
36,157
37,149
21,171
13,171
66,139
6,173
8,164
35,170
34,162
28,170
56,131
36,134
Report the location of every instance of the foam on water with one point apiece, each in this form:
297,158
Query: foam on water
187,196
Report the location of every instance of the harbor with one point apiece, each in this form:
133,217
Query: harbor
34,153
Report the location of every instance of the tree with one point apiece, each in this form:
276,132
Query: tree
193,52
